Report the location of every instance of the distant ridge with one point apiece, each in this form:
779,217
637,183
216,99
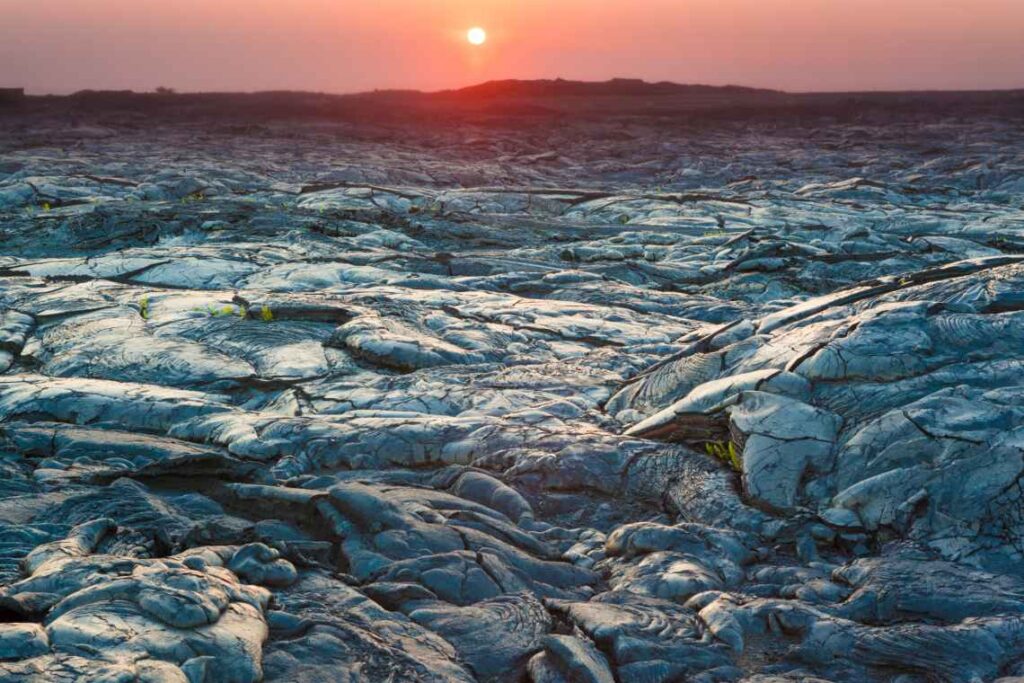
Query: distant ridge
511,102
615,87
502,98
557,87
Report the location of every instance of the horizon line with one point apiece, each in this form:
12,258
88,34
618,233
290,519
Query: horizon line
172,91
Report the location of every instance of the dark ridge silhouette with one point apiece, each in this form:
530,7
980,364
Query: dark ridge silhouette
11,95
517,102
616,87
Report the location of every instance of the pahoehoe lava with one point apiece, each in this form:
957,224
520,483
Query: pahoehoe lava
523,383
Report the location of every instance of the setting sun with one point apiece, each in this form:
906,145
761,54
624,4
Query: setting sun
476,36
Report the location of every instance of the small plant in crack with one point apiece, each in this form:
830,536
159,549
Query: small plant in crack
266,315
221,311
144,307
726,452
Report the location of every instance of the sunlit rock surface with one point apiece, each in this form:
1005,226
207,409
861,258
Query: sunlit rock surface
601,400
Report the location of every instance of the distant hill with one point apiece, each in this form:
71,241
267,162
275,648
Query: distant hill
501,99
517,101
618,95
616,87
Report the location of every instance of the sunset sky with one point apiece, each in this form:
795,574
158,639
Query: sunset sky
60,46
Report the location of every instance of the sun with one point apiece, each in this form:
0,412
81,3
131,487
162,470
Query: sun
476,35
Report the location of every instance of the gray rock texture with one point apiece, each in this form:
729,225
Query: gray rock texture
599,400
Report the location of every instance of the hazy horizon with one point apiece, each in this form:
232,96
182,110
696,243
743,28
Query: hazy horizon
62,46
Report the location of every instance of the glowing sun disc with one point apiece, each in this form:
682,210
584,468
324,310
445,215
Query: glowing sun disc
476,36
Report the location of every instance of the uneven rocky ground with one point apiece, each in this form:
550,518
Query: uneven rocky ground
596,400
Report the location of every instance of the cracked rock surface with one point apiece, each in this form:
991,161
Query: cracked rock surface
603,400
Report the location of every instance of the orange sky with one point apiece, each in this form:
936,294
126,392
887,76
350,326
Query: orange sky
348,45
